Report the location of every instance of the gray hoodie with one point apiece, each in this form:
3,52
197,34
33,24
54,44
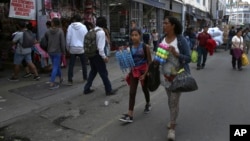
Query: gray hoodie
56,40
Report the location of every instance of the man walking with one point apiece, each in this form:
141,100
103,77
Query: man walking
23,52
97,62
201,48
75,45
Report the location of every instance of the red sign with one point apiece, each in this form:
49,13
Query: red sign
23,9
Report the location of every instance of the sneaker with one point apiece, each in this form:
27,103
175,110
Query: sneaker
126,118
88,91
171,135
55,86
147,108
14,79
70,83
113,92
36,77
27,75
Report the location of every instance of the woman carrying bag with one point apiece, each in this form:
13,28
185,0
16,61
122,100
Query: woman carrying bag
237,49
180,50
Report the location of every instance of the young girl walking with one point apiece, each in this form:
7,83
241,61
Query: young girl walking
142,57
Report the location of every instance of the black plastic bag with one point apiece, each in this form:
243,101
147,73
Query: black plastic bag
153,76
44,43
183,82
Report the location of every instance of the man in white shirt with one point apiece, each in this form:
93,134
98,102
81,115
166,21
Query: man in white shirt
75,39
98,62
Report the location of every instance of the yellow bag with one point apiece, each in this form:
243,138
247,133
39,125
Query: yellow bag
194,56
244,59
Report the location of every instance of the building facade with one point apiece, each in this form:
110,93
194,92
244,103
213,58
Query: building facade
218,10
197,13
238,13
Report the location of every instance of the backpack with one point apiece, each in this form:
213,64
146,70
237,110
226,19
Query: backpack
90,45
28,39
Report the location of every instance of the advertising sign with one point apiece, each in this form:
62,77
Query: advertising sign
23,9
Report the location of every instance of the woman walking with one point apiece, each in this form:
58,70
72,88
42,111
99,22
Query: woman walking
237,49
180,50
142,57
56,47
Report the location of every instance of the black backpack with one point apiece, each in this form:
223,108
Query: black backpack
28,39
90,45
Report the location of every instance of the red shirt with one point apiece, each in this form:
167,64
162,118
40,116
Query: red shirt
202,38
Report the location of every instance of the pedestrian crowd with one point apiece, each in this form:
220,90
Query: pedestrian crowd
91,44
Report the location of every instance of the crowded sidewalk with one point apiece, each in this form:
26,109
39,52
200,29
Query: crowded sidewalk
26,95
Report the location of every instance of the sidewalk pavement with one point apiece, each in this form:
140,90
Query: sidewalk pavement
17,99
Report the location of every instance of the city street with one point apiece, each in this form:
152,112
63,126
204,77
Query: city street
66,114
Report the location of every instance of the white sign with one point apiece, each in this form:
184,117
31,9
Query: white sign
23,9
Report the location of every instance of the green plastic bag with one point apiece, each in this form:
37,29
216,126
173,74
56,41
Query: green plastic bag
194,56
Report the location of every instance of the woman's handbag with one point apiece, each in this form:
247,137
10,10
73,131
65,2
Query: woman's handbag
183,82
244,59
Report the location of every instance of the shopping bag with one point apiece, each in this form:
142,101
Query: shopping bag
183,82
153,76
194,56
244,59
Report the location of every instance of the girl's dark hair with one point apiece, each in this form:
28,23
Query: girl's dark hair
56,22
135,29
177,23
101,22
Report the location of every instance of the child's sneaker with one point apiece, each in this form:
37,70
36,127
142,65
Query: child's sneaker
147,108
126,118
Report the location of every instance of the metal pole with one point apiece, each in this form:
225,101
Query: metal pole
183,15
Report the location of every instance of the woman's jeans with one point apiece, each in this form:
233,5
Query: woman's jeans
56,66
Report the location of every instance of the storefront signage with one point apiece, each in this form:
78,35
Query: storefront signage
23,9
156,3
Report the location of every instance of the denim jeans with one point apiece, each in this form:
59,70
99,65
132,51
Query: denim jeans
72,64
202,56
56,66
97,65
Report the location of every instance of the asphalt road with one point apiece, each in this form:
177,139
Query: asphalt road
205,115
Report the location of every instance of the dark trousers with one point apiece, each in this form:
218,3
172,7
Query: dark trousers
202,56
238,61
72,60
97,65
133,89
